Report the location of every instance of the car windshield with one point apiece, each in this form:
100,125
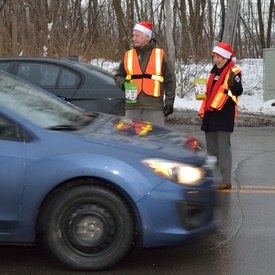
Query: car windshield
36,106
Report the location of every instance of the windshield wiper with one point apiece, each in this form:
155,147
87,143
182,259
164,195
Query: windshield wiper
63,128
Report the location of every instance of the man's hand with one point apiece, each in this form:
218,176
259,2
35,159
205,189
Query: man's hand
168,110
231,79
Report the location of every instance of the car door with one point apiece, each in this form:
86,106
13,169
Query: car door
12,171
99,91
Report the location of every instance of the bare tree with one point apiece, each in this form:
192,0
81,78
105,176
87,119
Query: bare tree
261,24
196,30
184,32
269,24
14,32
169,33
121,24
102,28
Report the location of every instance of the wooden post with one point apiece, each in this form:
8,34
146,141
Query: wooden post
231,21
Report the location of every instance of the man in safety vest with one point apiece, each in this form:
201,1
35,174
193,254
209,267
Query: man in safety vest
147,66
220,108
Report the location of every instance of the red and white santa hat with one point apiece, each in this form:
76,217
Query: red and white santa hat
145,27
224,50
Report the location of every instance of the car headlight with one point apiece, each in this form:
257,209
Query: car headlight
175,171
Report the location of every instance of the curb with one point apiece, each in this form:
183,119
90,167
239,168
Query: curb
190,117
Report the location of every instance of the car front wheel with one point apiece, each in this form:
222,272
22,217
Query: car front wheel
89,228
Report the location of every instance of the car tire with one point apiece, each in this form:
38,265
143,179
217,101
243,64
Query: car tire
88,228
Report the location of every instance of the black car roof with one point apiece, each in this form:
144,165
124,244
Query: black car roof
72,59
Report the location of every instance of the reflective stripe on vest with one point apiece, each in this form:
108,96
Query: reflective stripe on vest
130,62
221,98
150,80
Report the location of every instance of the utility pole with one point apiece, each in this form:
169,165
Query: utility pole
231,21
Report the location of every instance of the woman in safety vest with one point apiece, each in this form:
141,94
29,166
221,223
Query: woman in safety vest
148,67
220,108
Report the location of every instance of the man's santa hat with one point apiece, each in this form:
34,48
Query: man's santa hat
224,50
145,27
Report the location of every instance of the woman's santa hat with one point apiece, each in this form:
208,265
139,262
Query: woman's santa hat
224,50
145,27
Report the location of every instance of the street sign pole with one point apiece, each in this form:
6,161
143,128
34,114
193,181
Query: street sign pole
231,21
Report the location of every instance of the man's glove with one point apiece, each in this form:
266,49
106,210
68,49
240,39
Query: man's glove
168,110
231,79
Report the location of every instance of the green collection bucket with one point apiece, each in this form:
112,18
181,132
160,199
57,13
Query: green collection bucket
131,92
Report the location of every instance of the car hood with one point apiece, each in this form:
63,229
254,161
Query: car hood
132,131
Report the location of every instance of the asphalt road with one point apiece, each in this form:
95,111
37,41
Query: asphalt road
243,244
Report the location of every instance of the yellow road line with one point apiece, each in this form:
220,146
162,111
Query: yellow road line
251,189
256,187
255,191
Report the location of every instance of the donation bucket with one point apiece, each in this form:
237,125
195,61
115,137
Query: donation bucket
200,88
131,92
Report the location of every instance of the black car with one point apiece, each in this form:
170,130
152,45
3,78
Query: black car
80,83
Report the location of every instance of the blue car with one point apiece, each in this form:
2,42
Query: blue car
89,186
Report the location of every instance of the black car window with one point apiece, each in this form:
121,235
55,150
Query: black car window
4,66
46,75
8,130
68,80
39,74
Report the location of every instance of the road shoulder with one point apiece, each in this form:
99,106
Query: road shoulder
190,117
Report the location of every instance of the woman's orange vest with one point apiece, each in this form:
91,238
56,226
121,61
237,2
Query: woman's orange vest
149,82
221,98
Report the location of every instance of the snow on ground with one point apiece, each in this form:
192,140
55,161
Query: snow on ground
251,102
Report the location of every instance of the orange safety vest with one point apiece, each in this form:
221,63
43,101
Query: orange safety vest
149,81
221,98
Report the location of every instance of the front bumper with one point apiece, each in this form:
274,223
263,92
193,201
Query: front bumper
173,214
193,214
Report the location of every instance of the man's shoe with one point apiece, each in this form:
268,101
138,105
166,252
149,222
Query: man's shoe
224,186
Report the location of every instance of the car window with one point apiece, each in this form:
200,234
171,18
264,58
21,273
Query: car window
4,66
68,80
46,76
41,75
8,130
